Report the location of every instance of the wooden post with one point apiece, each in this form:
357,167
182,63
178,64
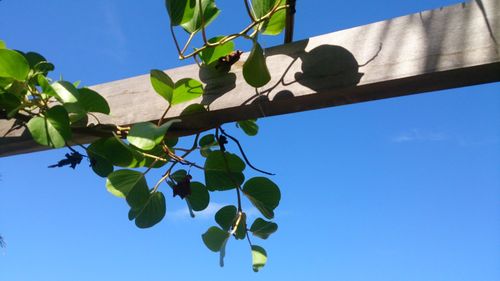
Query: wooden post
438,49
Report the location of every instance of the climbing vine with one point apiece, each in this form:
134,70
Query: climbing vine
53,110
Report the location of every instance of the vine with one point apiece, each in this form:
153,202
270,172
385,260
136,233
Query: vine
52,110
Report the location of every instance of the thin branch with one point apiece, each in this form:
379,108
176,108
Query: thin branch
243,153
249,11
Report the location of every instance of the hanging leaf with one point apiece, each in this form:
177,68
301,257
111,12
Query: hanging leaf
120,183
53,129
225,217
152,212
199,197
100,165
180,11
92,101
223,171
69,96
215,238
276,23
264,195
259,257
162,84
46,87
116,152
262,228
250,126
13,65
210,12
147,135
255,69
213,54
185,90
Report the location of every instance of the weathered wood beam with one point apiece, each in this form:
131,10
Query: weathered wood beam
438,49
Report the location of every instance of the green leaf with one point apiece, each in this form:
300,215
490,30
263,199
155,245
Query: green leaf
259,257
199,197
255,69
264,195
116,152
223,171
207,140
276,23
185,90
129,184
179,175
210,12
152,212
180,11
34,58
92,101
225,217
215,238
46,87
10,103
51,130
250,127
147,135
100,165
193,109
212,54
13,65
241,231
66,92
262,228
2,45
69,96
162,84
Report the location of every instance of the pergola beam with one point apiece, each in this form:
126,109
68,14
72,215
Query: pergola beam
438,49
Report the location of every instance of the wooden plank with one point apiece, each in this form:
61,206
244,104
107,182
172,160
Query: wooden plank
438,49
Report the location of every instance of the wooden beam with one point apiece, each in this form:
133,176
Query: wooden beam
438,49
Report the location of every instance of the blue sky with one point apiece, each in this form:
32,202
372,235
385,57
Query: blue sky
397,189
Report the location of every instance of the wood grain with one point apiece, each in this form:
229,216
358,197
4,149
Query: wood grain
438,49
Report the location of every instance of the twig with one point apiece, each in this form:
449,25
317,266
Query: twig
243,153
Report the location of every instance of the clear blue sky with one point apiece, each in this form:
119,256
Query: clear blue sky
401,189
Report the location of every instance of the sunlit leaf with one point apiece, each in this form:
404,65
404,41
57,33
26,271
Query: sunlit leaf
69,96
259,258
180,11
162,84
212,54
255,70
210,12
120,183
185,90
92,101
276,24
51,130
13,65
147,135
264,195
